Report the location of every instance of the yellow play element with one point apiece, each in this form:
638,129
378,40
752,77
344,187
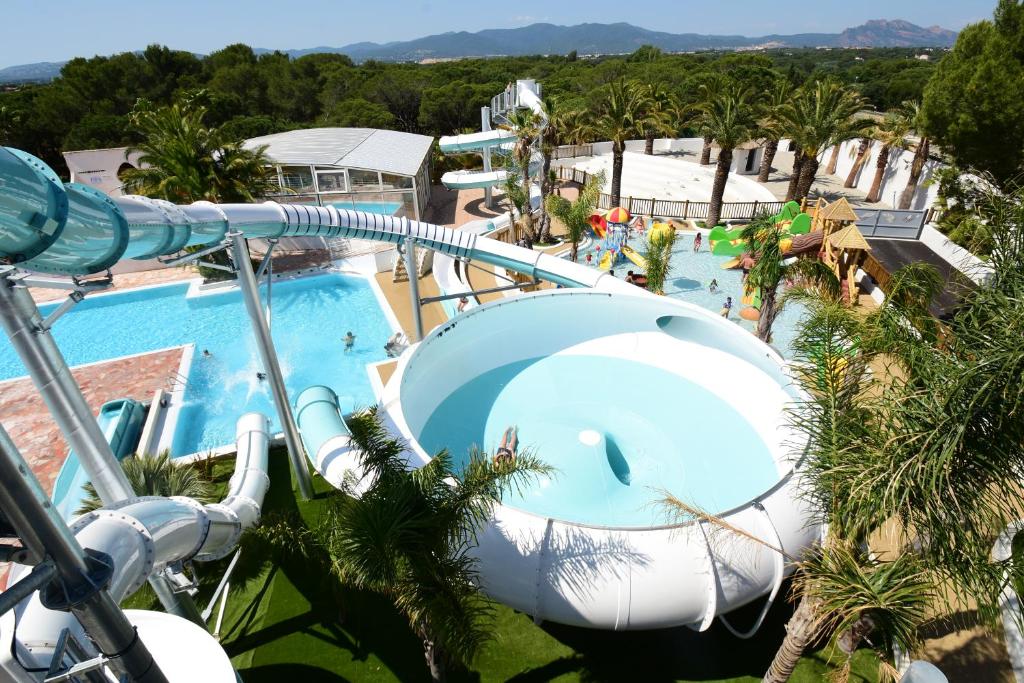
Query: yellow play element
658,228
606,261
631,253
731,263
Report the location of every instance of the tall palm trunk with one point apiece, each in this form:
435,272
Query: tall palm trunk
875,193
800,631
617,149
769,311
916,168
434,655
705,152
794,176
718,189
545,190
649,143
808,172
770,148
834,159
862,156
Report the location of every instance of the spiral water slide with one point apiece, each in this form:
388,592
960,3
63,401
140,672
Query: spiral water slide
522,94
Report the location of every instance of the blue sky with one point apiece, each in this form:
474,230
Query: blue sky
35,31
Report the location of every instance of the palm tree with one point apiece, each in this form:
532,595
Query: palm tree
563,126
815,119
921,149
659,259
409,537
730,122
772,126
575,215
858,162
155,476
621,115
924,449
185,161
528,127
892,133
661,115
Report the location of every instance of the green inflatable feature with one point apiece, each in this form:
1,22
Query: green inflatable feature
801,224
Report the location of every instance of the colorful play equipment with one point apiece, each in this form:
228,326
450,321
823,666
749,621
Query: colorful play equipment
612,231
803,234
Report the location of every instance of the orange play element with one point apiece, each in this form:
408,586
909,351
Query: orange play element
618,215
598,224
750,314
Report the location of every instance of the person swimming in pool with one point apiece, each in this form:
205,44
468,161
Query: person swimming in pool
350,341
697,241
726,307
507,449
713,287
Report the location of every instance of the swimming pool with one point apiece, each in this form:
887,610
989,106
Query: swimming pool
310,316
386,208
689,280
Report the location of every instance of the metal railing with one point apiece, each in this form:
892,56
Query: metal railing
671,208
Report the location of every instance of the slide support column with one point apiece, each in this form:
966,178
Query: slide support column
409,253
251,295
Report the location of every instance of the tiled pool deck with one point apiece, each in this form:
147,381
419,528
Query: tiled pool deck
26,419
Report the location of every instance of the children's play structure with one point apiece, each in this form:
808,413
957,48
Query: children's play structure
828,230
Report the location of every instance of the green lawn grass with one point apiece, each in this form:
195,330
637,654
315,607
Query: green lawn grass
285,622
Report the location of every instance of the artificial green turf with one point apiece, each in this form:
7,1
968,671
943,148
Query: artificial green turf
284,622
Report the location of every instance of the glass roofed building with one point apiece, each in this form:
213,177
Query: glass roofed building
380,171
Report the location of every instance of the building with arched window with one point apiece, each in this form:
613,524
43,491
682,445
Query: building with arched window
380,171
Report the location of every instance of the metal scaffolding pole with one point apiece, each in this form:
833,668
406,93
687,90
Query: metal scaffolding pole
251,295
82,577
41,356
409,253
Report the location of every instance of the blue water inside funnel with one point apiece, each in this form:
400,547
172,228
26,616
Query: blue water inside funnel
661,434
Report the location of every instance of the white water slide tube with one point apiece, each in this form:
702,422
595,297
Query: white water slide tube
483,141
144,535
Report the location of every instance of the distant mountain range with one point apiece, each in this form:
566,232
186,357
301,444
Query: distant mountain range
585,39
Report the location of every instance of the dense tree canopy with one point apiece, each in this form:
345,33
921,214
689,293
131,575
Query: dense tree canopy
974,105
249,94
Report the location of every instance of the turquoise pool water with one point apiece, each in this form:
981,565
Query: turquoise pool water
310,316
386,208
659,432
690,277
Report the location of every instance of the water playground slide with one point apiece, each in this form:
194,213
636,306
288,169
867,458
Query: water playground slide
121,423
465,180
631,253
606,261
473,142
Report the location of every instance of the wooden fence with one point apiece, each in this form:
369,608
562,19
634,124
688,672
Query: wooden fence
670,208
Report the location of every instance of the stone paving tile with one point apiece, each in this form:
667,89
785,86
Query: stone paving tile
26,419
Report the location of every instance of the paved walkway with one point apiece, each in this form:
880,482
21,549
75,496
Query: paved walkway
26,419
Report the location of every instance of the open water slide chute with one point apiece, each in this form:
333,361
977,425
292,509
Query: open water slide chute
121,422
634,256
474,142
